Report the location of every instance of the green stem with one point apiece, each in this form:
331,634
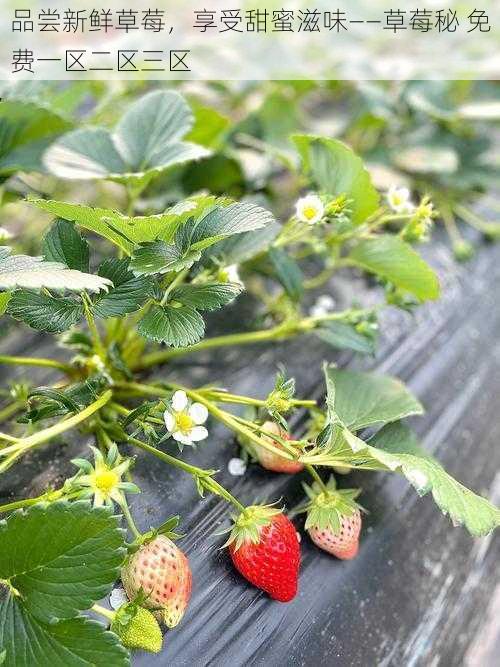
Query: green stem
34,361
18,504
176,281
199,473
49,496
129,518
472,218
314,474
25,444
102,611
226,397
280,332
450,224
94,331
8,438
225,418
228,420
10,410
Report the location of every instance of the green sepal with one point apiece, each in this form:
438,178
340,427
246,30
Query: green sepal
249,524
325,510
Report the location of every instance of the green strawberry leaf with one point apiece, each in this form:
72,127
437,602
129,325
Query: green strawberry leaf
287,272
178,327
337,170
123,230
45,313
364,399
64,244
396,447
344,336
195,235
394,260
227,218
129,293
75,642
27,128
5,297
209,296
242,247
160,257
34,273
59,558
146,141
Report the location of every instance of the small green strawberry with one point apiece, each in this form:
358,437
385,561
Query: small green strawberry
333,519
137,628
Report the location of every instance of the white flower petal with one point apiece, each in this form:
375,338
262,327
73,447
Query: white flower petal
198,413
232,273
182,438
399,200
98,498
198,433
179,401
326,301
317,311
310,209
169,420
117,598
237,467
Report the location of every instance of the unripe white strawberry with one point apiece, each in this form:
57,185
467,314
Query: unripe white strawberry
161,570
268,459
345,543
333,519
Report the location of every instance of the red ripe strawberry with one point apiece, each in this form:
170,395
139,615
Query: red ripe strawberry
265,550
334,519
268,459
162,572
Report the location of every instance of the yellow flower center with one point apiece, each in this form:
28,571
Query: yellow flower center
183,423
106,481
223,276
397,200
310,212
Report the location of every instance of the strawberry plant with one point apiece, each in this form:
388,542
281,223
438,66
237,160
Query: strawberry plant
125,282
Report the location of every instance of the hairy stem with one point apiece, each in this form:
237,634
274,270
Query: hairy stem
277,333
203,475
226,397
129,518
23,445
34,361
94,331
229,420
314,474
9,410
102,611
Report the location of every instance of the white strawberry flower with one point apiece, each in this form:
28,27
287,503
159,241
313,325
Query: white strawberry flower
229,274
310,209
184,419
323,305
5,235
399,199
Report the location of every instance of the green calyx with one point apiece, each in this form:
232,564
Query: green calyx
137,628
326,509
249,524
167,529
